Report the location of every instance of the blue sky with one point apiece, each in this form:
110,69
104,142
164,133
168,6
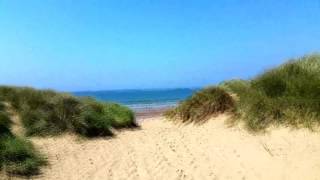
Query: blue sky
76,45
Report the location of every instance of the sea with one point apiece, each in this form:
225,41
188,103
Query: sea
140,100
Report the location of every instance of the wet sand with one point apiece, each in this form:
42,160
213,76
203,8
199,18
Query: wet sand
148,113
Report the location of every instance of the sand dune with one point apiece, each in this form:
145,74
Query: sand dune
162,150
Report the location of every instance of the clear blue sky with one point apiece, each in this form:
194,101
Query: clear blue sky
116,44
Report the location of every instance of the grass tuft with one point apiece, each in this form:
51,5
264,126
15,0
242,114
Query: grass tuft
287,95
121,116
45,112
53,116
93,121
19,157
5,124
202,105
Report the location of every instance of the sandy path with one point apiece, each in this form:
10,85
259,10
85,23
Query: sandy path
162,150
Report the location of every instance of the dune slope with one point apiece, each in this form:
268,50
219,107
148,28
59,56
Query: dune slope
162,150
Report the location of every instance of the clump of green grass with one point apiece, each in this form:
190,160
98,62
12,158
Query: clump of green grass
2,106
52,115
8,94
93,121
235,86
121,116
287,95
202,105
5,124
46,112
19,157
97,119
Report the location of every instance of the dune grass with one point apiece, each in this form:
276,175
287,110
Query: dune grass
202,105
5,124
46,112
96,118
2,106
121,116
287,95
92,120
17,155
54,115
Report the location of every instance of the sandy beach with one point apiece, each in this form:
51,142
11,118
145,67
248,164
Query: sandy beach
163,150
159,90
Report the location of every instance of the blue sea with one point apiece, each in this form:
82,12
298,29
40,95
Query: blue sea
141,99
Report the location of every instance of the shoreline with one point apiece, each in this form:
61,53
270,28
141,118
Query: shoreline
147,113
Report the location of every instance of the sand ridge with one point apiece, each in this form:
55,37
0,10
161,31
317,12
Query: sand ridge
163,150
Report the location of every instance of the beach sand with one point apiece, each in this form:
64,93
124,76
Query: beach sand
163,150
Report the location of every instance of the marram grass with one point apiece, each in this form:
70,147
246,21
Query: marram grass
287,95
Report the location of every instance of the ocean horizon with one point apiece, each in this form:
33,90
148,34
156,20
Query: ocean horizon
141,99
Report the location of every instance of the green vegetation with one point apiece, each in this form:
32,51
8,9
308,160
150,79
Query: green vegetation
2,106
203,105
93,120
5,124
234,86
52,114
96,118
287,95
121,116
17,155
45,112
